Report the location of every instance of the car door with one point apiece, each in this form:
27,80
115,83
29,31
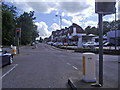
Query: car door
5,59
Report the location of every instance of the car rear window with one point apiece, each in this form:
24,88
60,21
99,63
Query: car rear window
0,49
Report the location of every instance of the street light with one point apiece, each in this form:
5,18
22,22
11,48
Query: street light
115,31
60,20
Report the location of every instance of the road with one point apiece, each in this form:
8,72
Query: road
48,67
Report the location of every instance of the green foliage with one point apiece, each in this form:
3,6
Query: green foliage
0,24
40,40
91,30
10,22
8,25
107,26
28,27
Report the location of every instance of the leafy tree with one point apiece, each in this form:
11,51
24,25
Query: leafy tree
0,24
107,26
91,30
28,27
40,40
88,30
8,24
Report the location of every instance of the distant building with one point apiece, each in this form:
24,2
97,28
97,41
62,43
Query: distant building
111,36
67,34
96,39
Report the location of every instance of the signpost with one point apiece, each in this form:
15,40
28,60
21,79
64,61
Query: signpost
18,34
102,8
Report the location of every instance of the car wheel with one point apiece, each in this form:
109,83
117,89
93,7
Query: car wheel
10,60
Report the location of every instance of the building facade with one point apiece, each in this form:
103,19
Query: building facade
68,35
111,37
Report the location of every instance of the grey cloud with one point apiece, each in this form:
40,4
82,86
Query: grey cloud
45,7
73,7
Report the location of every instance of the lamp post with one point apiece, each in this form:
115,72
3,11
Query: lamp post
115,32
60,20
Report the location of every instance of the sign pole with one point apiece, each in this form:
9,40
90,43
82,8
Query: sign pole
100,50
18,45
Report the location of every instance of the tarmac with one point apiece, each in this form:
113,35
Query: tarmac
77,83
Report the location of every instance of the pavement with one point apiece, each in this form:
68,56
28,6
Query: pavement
49,67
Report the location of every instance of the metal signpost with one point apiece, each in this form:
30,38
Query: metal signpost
102,8
18,34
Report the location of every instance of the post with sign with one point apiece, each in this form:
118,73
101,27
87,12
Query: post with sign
102,8
18,34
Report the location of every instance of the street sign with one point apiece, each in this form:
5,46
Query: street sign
18,35
105,7
18,32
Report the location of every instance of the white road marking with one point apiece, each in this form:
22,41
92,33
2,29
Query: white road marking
68,64
9,71
75,67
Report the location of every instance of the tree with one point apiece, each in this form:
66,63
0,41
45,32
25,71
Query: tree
8,24
88,30
40,40
0,24
91,30
28,27
107,26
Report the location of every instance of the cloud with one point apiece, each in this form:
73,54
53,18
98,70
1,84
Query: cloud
67,22
43,7
42,29
70,7
54,27
78,20
91,23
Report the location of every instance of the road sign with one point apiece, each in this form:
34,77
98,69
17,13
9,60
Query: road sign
18,32
105,7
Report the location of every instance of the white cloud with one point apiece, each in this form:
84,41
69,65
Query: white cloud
54,27
109,18
91,23
78,20
43,29
67,22
70,7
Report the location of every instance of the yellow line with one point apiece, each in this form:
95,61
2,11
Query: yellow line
83,65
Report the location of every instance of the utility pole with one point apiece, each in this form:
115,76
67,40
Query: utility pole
115,32
18,34
60,20
100,50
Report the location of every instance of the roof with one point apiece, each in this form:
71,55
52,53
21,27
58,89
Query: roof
91,35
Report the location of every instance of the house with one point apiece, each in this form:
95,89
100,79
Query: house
68,34
111,37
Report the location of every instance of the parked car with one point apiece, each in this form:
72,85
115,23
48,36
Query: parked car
89,44
107,44
97,44
65,44
7,58
57,44
72,43
75,43
33,43
50,43
36,42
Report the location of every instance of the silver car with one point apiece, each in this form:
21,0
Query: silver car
6,58
89,44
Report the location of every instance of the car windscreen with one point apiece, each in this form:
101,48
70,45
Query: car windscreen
0,49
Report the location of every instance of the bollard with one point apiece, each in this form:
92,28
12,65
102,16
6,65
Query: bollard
14,50
89,67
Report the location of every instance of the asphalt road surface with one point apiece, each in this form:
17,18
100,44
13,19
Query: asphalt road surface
48,67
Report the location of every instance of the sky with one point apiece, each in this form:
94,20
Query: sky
81,12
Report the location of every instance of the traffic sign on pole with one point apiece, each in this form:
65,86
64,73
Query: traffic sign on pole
18,32
102,8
